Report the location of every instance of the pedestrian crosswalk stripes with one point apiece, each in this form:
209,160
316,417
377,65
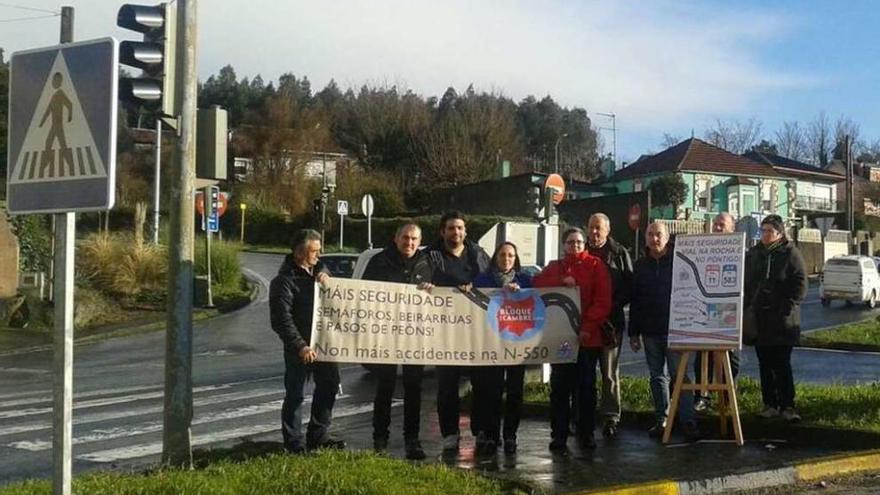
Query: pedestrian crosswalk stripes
153,448
125,424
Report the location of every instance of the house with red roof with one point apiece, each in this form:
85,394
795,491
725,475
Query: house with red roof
718,180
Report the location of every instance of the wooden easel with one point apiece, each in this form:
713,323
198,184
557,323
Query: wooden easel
721,382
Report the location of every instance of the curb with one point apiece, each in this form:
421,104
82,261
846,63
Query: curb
153,324
803,471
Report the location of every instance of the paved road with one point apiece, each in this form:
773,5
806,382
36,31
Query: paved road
238,389
237,375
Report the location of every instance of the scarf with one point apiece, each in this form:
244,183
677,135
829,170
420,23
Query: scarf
502,279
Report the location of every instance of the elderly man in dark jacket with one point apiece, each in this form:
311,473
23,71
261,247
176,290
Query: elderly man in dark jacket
775,286
619,264
403,263
649,325
291,299
455,262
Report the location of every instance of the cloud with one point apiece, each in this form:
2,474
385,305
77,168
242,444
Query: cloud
652,63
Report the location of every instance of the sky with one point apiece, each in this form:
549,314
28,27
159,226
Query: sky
661,67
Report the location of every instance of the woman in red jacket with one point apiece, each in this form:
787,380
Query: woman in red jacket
578,268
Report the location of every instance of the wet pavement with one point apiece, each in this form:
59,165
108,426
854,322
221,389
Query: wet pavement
631,457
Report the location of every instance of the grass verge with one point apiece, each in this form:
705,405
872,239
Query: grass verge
848,407
863,336
322,473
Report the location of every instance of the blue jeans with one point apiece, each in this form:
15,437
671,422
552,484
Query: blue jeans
660,359
326,377
565,378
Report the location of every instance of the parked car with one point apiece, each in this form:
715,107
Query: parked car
851,278
341,265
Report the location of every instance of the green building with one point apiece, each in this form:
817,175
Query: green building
718,181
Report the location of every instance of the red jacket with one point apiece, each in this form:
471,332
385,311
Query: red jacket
594,282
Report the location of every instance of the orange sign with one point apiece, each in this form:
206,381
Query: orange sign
557,184
222,203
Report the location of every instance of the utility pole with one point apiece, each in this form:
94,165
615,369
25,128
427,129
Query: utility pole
556,147
64,226
850,201
177,418
156,181
613,130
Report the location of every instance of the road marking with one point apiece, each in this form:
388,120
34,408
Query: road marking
93,393
110,415
128,398
154,426
25,370
154,448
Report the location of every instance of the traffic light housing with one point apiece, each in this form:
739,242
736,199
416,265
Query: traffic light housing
533,201
153,90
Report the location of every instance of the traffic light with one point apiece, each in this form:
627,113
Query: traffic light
316,205
153,90
533,200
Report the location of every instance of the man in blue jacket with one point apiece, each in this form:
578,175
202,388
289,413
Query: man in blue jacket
649,325
291,299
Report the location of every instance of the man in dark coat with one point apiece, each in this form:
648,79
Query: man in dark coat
291,299
455,262
649,327
403,263
775,286
619,264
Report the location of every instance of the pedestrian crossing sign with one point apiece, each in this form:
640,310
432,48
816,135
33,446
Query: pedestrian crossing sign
62,128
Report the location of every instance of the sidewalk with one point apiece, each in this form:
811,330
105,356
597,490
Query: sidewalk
630,460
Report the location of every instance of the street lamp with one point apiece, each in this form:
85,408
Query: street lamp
613,130
557,149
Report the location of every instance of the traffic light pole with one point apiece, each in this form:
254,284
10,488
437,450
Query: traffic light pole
156,181
177,418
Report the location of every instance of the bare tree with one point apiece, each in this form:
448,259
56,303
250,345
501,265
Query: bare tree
846,126
735,136
462,145
670,140
820,140
791,141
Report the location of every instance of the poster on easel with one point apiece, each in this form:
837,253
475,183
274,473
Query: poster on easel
706,305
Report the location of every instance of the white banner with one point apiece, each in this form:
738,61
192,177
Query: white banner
707,291
358,321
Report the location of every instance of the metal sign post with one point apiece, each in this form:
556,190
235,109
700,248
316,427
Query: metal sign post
61,159
342,210
367,208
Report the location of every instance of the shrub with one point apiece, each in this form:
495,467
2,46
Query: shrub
92,308
34,241
225,265
118,265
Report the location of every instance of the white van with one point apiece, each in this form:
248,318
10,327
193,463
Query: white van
851,278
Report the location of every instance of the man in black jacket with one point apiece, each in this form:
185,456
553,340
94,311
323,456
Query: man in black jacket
455,262
401,262
649,327
619,264
291,299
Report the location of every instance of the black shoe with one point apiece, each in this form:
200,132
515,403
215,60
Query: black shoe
510,445
327,442
691,431
610,429
414,450
380,444
558,446
586,442
656,431
294,449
